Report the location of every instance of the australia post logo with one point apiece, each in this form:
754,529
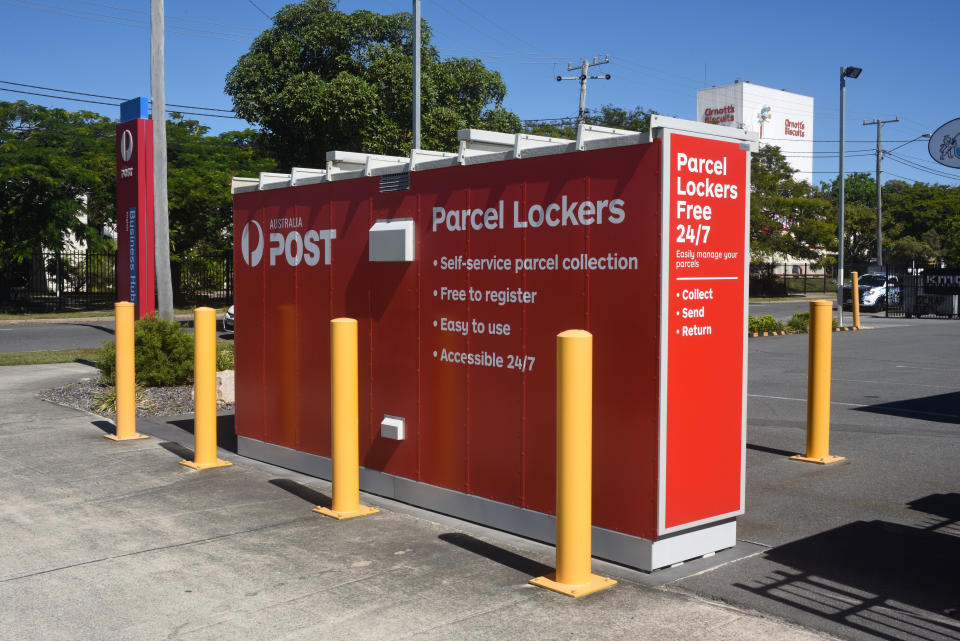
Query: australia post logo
126,145
286,240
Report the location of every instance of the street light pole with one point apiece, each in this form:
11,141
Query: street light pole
416,74
845,72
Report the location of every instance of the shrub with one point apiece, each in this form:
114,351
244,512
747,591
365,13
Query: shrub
163,354
760,324
224,356
799,322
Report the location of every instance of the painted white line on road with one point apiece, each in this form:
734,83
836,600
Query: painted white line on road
803,400
935,369
897,383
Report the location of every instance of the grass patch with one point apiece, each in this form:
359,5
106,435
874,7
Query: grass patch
224,356
48,356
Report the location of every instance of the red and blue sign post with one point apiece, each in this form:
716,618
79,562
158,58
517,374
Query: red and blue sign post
135,266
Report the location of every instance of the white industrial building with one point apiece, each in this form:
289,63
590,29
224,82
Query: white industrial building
779,117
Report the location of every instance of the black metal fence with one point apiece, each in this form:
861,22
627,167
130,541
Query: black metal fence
924,293
202,280
70,281
787,279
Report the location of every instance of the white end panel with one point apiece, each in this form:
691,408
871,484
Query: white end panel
238,185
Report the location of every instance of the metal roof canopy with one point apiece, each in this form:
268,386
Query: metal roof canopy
481,146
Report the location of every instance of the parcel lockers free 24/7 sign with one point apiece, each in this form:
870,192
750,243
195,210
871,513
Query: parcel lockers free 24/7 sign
644,251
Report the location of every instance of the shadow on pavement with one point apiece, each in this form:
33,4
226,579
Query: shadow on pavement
302,491
939,407
226,430
179,450
106,426
106,330
946,506
888,580
769,450
504,557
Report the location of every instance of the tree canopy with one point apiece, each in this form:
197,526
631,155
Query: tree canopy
57,166
786,217
54,166
198,183
320,79
636,119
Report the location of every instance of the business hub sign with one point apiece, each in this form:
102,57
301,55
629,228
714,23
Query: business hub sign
135,207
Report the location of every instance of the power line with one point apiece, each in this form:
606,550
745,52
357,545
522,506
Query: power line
96,95
440,6
124,22
76,93
919,167
259,9
167,16
509,33
47,95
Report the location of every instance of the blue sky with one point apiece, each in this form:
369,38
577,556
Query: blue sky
661,53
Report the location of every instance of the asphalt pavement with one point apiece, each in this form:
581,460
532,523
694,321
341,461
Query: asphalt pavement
107,540
58,334
32,337
868,548
115,540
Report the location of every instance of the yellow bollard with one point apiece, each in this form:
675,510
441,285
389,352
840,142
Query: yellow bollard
344,410
205,391
818,385
855,295
126,385
574,468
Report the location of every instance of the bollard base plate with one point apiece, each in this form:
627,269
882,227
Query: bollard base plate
135,437
820,461
595,584
362,511
205,466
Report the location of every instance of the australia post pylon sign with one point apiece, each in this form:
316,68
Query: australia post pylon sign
461,270
135,266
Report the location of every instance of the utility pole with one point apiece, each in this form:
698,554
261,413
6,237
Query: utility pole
161,222
583,77
879,123
416,74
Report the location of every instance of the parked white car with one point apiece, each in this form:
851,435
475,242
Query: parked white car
874,289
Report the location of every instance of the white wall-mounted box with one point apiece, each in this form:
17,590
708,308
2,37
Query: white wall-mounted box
391,241
391,427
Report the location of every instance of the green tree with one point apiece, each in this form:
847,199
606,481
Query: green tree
906,250
320,79
786,216
198,176
636,119
920,209
55,166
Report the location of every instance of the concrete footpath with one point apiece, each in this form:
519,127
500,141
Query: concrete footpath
105,540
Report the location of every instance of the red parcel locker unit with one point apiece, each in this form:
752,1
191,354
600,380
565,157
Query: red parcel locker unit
461,269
